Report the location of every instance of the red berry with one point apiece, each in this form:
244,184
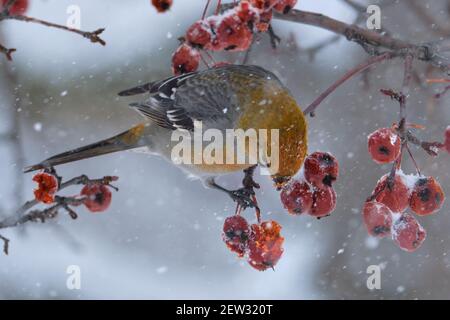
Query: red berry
324,202
263,5
236,232
264,21
162,5
427,196
297,197
98,197
265,245
47,187
246,12
214,44
233,34
395,196
321,169
284,6
384,145
185,59
199,34
407,233
19,7
447,139
377,218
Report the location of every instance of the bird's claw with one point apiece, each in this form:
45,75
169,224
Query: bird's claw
243,197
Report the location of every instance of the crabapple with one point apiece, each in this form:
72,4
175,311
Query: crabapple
324,202
407,233
395,196
236,233
377,218
284,6
233,34
185,59
98,197
263,4
384,145
264,21
321,169
297,197
427,196
199,34
246,12
18,7
162,5
47,187
265,245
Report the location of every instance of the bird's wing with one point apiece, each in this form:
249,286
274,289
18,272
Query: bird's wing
207,96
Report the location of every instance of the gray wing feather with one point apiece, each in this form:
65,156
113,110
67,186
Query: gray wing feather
177,101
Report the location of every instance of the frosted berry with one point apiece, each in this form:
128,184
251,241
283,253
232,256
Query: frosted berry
19,7
265,18
321,169
236,232
214,44
324,202
185,59
98,197
162,5
427,196
246,12
395,196
199,34
384,145
297,197
377,218
47,187
263,5
407,233
233,34
284,6
265,245
447,139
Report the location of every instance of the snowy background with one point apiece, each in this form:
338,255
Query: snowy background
161,238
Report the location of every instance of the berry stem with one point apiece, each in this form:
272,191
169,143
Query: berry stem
206,9
219,4
413,160
360,68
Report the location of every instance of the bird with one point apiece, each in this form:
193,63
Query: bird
223,97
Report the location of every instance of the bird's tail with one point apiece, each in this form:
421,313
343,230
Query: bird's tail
129,139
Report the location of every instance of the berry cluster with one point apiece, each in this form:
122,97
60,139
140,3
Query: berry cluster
18,7
384,212
96,196
231,30
313,193
261,244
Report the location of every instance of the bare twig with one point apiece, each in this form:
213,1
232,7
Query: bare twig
93,36
364,66
7,52
369,40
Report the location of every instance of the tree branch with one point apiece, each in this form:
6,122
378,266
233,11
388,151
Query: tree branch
370,41
23,215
